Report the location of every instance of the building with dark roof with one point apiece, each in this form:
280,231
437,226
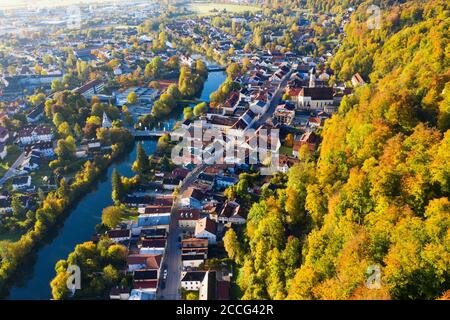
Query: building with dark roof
315,97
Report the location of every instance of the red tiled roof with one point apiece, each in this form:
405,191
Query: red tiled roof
146,284
152,261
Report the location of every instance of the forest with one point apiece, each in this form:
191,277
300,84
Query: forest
377,193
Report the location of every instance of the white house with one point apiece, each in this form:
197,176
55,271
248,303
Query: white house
45,149
153,246
35,134
192,280
230,213
31,161
206,229
188,61
187,218
21,183
259,106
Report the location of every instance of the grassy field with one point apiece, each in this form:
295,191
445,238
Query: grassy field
205,8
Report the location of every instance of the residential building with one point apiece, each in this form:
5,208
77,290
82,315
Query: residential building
230,213
30,135
192,260
91,88
21,183
154,220
153,246
357,80
192,280
119,294
144,261
187,218
118,236
310,139
192,197
206,229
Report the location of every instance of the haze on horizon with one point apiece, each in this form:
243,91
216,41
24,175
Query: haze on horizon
9,4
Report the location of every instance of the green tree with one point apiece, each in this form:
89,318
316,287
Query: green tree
232,245
17,207
132,98
200,109
117,187
111,216
66,148
141,165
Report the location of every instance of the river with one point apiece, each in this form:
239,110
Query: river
81,221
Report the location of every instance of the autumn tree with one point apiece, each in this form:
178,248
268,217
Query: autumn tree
111,216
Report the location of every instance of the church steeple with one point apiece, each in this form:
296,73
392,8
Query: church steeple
312,78
106,123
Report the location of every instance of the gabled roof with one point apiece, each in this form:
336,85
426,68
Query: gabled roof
194,276
145,284
154,243
192,192
205,224
118,233
155,209
230,209
145,275
317,93
151,261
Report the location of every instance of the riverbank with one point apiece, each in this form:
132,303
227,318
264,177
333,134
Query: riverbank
50,216
78,222
81,221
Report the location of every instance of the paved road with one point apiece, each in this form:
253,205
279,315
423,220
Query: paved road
173,252
12,171
173,263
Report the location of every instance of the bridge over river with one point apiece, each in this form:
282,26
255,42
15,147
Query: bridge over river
149,133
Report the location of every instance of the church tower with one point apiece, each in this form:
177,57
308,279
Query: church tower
106,123
312,78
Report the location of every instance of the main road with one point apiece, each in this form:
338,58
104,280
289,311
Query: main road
171,290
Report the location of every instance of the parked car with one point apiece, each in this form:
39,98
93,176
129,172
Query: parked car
165,274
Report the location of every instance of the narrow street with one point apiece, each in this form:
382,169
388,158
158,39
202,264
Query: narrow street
172,261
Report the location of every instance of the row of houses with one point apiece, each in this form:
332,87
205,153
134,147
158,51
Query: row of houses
146,240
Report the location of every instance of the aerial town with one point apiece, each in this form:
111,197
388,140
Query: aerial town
94,98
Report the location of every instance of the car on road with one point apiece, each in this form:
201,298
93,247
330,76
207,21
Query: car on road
165,274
